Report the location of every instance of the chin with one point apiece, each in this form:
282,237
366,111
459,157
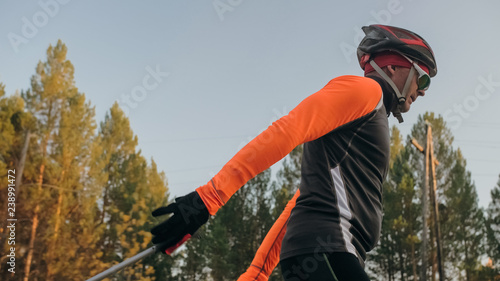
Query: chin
405,108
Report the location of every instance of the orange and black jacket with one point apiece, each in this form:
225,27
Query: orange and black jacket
338,207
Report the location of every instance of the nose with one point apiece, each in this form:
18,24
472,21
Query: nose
421,93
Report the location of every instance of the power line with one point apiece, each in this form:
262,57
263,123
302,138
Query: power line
477,141
485,123
484,174
184,183
483,160
479,145
197,139
193,169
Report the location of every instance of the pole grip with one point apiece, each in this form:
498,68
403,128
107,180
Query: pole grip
138,257
169,251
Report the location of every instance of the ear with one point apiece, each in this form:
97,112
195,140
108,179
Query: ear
391,69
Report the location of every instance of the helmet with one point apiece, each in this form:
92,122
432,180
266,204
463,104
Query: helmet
379,38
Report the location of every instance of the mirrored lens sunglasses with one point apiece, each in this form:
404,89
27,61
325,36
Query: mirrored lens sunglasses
424,80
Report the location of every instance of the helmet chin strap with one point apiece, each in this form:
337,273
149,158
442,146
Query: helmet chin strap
396,109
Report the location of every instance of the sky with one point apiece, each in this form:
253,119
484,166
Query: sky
199,79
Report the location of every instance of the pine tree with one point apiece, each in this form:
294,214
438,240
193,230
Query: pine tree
196,256
157,187
117,144
9,107
238,228
395,255
460,217
14,122
57,126
130,188
71,146
85,200
493,227
463,221
50,86
443,152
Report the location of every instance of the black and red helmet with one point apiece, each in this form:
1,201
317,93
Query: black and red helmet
379,38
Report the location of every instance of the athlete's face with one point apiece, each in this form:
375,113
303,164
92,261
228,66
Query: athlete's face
399,76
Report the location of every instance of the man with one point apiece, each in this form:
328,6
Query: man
335,217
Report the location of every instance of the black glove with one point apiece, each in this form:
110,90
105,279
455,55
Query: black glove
189,214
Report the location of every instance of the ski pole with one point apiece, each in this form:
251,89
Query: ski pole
136,258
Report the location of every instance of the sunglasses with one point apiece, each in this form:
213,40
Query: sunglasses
424,80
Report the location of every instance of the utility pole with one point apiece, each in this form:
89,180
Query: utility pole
22,160
425,188
429,158
430,147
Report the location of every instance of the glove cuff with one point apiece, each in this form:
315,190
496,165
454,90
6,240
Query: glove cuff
210,196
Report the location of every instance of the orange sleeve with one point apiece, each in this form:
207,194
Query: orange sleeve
268,254
342,100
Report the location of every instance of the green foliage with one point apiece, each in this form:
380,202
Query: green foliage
493,227
462,221
398,248
11,115
129,188
91,193
11,140
442,140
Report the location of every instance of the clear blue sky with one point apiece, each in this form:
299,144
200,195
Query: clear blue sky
226,69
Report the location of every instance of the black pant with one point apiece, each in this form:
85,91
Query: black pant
323,267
